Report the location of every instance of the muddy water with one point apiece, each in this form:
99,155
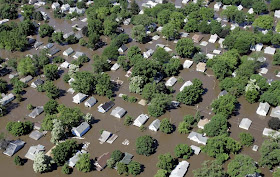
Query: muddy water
167,143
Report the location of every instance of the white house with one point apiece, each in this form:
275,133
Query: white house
263,109
245,123
115,67
275,112
13,147
37,83
196,150
78,54
277,13
55,5
197,137
213,38
36,112
104,136
33,150
240,7
251,11
201,67
90,102
148,53
140,120
65,64
118,112
186,84
154,126
122,49
68,52
257,47
269,50
65,8
171,81
7,99
180,170
79,97
105,107
81,129
187,64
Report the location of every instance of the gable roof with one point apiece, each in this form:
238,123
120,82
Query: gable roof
275,112
13,147
127,158
33,150
36,135
102,161
82,127
197,137
245,123
37,111
180,169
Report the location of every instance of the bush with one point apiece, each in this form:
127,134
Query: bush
117,155
246,139
274,123
18,161
58,59
65,169
30,107
128,120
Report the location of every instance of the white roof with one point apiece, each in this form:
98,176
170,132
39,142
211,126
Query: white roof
263,109
186,84
65,64
204,43
140,120
171,81
187,64
245,123
240,7
196,149
180,170
269,50
216,51
118,112
156,37
277,13
210,56
115,67
251,11
275,112
270,132
213,38
263,70
33,150
79,97
197,137
155,125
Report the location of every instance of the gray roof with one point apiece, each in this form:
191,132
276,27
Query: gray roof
127,158
222,93
49,45
13,147
37,44
104,136
65,36
91,101
275,112
180,169
33,150
78,36
82,127
245,123
26,79
54,51
38,82
37,111
123,48
142,118
73,160
155,124
197,137
118,112
68,51
36,135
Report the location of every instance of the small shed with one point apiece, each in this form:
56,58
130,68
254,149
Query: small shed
36,135
37,83
36,112
104,136
263,109
213,38
201,67
115,67
14,147
187,64
82,129
196,150
79,97
186,84
251,11
90,102
197,38
202,123
154,126
105,107
122,49
170,82
101,161
245,123
197,137
140,120
33,151
68,51
275,112
118,112
26,79
127,21
269,50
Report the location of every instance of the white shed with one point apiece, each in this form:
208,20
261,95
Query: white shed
213,38
245,123
118,112
263,109
186,84
187,64
79,97
90,102
154,126
170,82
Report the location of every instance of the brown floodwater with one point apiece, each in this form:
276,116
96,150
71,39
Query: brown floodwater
167,143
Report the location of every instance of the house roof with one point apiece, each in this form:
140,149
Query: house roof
275,112
197,137
38,82
36,135
33,150
269,50
245,123
79,96
102,160
81,128
37,111
7,98
115,67
68,51
73,160
108,105
78,36
203,122
104,136
201,66
79,54
65,36
171,81
187,64
186,84
263,107
195,149
26,79
54,51
91,101
180,169
142,118
197,38
127,158
118,111
222,93
13,147
123,48
270,132
155,124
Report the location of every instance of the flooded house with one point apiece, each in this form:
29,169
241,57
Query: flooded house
277,13
118,112
68,52
217,6
65,64
4,71
180,170
79,97
67,35
14,147
122,49
115,67
82,129
275,112
245,123
140,120
36,135
101,161
90,102
7,99
197,38
186,84
187,64
197,137
64,8
270,132
78,54
73,160
127,158
201,67
37,126
104,136
154,126
196,149
55,6
33,151
213,38
148,53
202,123
269,50
170,82
38,44
36,112
263,109
26,79
37,83
105,107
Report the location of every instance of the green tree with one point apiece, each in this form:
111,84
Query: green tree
260,7
139,33
134,168
134,8
19,128
26,66
185,47
18,161
128,120
199,57
84,82
184,127
136,84
217,126
166,126
3,86
71,117
170,31
84,163
172,67
42,163
109,27
122,168
57,131
276,173
47,123
8,11
264,22
274,123
161,55
166,162
163,16
276,58
191,26
269,153
45,30
65,169
209,169
275,5
161,173
117,155
28,11
242,165
51,107
64,151
224,105
177,18
42,59
246,139
100,64
159,104
272,94
145,145
52,91
111,52
183,151
51,72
